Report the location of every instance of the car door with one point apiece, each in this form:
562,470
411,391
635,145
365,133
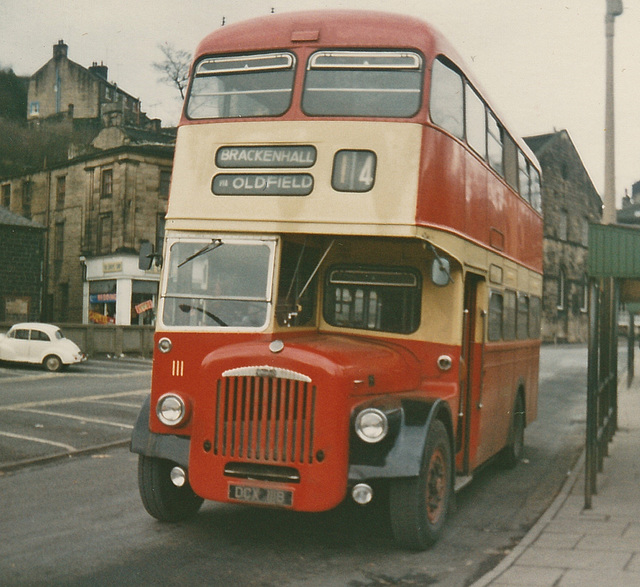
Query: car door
16,347
39,345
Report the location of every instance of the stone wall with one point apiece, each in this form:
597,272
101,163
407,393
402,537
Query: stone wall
570,203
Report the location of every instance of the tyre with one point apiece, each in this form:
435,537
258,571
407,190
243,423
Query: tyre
419,505
513,453
160,497
52,363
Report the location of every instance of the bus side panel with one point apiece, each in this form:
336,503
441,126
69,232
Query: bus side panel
509,366
441,191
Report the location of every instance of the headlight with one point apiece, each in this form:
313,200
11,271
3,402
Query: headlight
372,425
171,409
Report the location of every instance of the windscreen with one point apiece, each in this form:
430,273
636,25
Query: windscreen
363,83
242,86
218,284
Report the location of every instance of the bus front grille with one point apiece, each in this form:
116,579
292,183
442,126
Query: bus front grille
265,419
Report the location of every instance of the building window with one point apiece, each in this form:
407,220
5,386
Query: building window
562,287
6,195
106,190
58,245
34,108
105,223
563,225
584,295
585,231
27,194
61,189
165,182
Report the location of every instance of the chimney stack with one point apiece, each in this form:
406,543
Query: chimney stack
60,50
100,70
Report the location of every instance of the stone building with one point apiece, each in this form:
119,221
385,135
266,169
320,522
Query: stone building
570,203
21,267
102,194
63,87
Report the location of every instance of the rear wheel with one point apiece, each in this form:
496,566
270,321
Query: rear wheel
419,505
160,497
513,453
52,363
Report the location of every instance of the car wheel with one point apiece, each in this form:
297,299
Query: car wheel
419,505
52,363
160,497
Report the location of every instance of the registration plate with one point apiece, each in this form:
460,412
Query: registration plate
262,495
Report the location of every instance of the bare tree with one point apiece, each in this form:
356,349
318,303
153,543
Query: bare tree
175,66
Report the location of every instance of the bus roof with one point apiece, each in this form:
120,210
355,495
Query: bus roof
345,29
328,28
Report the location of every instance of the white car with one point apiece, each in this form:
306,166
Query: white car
36,342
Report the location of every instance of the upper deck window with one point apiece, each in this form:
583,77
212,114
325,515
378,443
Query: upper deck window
447,99
242,86
363,83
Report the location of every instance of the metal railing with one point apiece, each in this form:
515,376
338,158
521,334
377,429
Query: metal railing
602,380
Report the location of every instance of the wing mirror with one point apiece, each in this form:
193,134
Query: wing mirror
441,272
147,256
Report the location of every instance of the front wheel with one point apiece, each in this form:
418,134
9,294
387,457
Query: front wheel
160,497
418,505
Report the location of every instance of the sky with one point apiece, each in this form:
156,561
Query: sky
541,62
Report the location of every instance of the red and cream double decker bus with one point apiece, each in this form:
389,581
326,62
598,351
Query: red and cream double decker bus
351,276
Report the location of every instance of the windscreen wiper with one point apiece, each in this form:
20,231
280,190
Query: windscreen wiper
212,246
187,308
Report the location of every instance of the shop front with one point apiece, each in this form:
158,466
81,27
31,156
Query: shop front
116,291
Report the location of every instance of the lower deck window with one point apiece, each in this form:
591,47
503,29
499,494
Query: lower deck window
373,299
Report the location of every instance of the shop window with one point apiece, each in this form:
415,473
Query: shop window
102,301
144,299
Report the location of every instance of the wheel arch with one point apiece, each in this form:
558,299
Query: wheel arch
164,446
403,456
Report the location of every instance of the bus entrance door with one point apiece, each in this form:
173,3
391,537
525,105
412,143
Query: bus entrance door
471,353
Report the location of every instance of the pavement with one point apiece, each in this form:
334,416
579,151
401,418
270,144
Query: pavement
571,545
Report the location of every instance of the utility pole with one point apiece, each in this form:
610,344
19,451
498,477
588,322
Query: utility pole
614,8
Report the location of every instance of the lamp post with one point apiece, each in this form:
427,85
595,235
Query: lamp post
614,8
